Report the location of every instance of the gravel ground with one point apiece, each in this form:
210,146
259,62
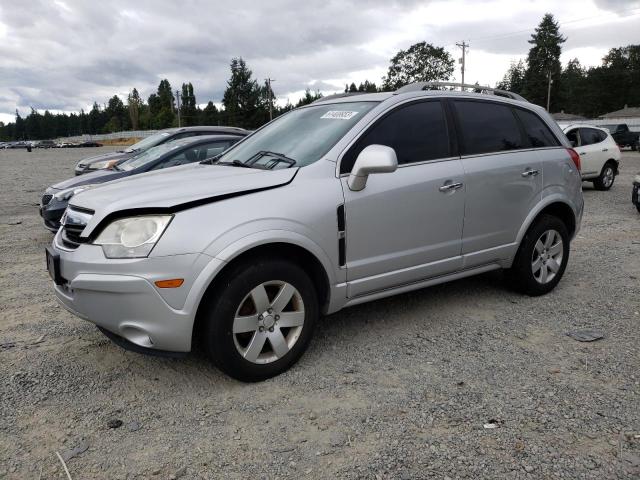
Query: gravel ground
398,388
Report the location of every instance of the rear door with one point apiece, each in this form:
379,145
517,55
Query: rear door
593,153
503,176
407,225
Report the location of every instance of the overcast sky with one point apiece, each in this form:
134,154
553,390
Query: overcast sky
62,55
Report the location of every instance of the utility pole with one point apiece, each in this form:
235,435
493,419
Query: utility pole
269,80
178,102
464,46
549,90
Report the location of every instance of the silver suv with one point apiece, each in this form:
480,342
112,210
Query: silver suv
344,201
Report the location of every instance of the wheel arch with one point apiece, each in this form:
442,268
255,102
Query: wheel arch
290,250
556,206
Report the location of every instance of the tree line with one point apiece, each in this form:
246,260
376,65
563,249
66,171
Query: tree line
589,92
586,91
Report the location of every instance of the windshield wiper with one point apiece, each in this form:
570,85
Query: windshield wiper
277,158
210,160
234,163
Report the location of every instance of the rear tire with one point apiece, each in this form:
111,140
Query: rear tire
260,319
606,178
541,258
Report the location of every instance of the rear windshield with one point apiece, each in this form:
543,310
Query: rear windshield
303,135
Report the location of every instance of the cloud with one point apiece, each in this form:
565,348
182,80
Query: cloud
66,54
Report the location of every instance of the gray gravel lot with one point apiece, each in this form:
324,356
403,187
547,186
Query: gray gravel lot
398,388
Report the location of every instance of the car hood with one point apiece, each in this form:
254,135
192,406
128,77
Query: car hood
105,156
177,188
99,176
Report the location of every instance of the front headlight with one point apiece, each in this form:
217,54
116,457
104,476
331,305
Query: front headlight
70,192
132,237
98,165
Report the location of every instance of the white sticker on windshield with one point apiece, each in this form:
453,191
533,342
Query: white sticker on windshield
339,114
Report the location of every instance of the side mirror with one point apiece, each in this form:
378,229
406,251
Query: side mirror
373,159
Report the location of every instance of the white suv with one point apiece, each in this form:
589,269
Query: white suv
344,201
599,154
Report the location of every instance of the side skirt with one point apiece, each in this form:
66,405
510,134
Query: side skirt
422,284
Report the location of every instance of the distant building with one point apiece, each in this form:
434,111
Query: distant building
566,117
626,112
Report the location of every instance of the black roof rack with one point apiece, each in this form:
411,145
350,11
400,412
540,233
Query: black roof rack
418,86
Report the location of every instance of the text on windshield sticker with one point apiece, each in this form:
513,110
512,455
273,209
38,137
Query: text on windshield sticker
339,115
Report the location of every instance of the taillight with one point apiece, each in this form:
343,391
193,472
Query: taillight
574,157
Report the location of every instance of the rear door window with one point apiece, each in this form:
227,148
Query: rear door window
573,137
487,127
417,132
589,136
537,131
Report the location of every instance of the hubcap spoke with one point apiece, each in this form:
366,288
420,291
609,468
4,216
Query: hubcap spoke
260,298
278,343
283,297
255,346
553,265
543,274
539,246
291,319
555,249
245,324
549,240
535,266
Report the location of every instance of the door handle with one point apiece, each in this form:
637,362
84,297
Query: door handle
583,153
605,149
529,173
450,186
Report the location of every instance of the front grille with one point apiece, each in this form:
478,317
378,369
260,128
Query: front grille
46,198
73,224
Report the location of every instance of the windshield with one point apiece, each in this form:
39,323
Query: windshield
151,155
148,142
303,135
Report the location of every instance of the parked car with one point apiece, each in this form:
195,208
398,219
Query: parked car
107,160
635,193
44,144
89,144
623,136
344,201
54,201
599,154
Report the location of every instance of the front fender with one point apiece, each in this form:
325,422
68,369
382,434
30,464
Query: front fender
266,237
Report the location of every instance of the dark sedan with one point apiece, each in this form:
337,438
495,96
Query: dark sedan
179,152
107,160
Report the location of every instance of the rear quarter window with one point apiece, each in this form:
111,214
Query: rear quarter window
487,127
538,133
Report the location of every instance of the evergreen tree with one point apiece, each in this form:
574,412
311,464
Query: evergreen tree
353,88
543,63
243,98
308,98
573,92
513,80
188,108
134,105
367,86
210,115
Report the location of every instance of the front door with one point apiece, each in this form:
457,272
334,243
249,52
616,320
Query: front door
407,225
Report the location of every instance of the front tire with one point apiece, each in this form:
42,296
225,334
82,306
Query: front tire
606,178
541,258
260,319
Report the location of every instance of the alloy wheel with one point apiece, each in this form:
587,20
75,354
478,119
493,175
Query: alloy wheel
546,259
268,322
607,177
